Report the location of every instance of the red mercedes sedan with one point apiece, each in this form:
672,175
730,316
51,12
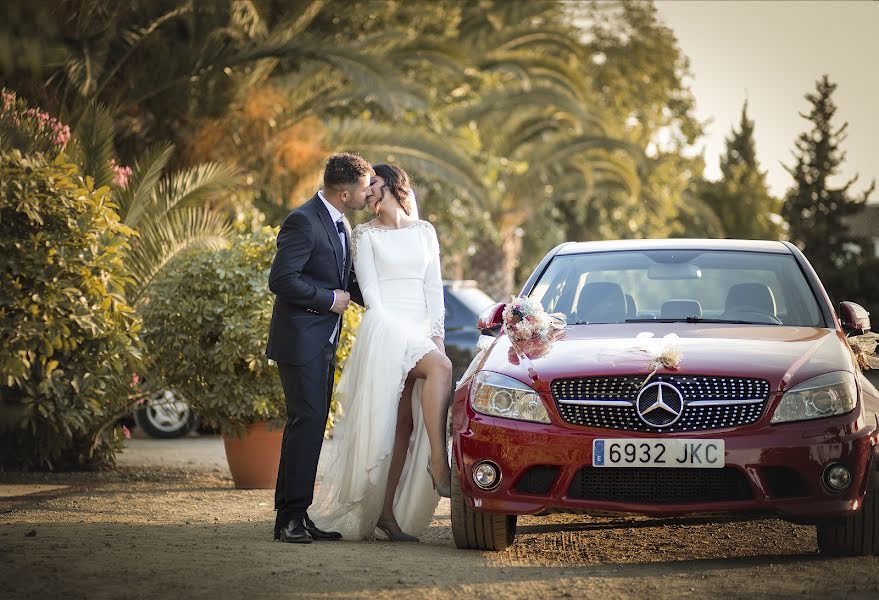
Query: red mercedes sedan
764,410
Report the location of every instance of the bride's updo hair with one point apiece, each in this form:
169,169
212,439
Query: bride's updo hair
398,183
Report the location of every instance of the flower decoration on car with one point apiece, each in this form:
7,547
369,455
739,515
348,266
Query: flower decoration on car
864,348
524,318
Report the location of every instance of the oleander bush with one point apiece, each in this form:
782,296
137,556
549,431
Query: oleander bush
205,328
68,338
29,129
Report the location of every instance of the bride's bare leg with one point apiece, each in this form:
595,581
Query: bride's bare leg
436,370
401,447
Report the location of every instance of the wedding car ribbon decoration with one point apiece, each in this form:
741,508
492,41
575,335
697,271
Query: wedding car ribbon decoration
648,352
864,349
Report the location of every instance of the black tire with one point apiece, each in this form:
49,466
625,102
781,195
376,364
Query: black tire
164,416
856,535
473,530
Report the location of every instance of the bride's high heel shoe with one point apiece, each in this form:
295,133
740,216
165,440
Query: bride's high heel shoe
394,536
443,488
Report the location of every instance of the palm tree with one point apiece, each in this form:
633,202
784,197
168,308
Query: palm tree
170,211
539,129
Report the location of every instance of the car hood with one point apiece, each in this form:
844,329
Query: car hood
784,356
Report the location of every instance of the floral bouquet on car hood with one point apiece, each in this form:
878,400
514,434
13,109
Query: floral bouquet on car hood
524,318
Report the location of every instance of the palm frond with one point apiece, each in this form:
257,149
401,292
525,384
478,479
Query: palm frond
191,187
417,150
439,52
526,37
146,172
294,23
134,37
94,142
163,240
541,69
507,101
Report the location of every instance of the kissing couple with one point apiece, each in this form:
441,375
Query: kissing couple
387,464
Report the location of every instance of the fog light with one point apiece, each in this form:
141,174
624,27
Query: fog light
837,478
486,475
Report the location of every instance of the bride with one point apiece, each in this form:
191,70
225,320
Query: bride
388,463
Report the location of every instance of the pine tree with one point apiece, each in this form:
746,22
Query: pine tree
741,199
815,210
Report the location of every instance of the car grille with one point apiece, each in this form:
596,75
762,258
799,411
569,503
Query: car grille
659,486
708,402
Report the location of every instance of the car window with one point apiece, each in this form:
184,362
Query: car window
464,304
472,298
673,285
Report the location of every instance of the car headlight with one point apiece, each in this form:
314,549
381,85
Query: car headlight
501,396
823,396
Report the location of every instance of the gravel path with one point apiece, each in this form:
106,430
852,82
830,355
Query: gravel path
169,524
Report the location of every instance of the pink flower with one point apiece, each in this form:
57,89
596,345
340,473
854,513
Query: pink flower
126,432
62,134
121,174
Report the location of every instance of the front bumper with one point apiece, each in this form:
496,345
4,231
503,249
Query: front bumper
770,469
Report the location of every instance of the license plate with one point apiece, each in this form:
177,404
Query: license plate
693,454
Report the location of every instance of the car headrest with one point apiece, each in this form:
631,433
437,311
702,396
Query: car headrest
680,309
757,295
601,302
631,307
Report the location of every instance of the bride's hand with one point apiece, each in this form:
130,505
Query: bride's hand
440,344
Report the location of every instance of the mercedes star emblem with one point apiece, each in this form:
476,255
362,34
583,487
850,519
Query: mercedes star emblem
659,404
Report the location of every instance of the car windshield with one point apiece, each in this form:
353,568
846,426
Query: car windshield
675,285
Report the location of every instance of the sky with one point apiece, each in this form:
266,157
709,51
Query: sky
772,53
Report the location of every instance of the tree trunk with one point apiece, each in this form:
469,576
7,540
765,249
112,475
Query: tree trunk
494,266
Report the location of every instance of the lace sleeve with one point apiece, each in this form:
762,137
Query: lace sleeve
433,286
364,267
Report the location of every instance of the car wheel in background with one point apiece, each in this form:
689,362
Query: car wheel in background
475,530
163,415
857,535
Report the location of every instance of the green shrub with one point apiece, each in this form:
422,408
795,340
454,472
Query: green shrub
205,329
68,342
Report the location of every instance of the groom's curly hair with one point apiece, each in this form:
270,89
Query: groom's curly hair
345,169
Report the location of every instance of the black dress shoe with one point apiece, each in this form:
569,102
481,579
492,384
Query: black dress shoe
295,533
277,533
320,534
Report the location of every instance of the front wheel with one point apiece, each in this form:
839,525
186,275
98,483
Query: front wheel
855,535
475,530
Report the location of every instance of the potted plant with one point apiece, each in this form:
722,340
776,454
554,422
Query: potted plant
205,326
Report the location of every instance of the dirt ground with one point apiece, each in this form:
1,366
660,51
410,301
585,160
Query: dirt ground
171,525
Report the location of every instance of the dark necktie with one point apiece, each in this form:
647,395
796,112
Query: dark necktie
340,227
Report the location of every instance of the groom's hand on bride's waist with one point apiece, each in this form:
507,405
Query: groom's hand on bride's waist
341,299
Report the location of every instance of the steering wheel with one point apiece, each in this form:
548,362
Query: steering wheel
747,312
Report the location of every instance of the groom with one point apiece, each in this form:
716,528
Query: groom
312,282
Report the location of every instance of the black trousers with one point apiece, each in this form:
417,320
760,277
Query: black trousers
308,390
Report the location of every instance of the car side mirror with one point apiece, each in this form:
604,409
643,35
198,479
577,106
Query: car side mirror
854,317
491,319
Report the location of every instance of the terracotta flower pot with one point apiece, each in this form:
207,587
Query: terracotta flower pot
253,459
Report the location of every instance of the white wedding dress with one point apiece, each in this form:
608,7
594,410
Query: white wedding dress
398,271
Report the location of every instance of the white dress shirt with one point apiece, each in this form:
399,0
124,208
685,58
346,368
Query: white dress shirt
335,217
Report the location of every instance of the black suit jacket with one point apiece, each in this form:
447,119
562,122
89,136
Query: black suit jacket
306,269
